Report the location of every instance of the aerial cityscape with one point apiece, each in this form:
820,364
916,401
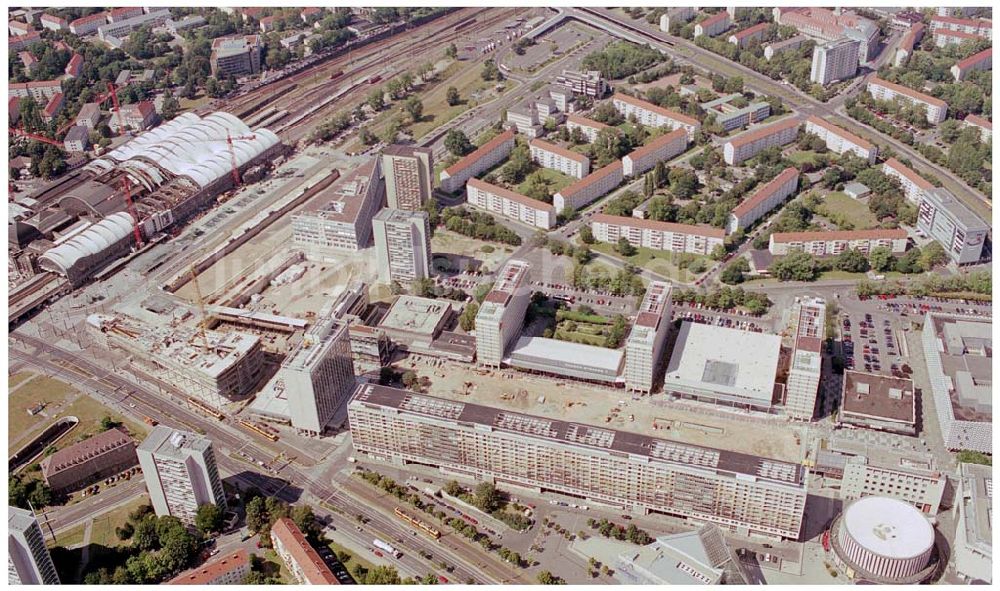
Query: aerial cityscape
500,295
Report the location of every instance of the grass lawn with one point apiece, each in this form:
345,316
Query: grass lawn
196,102
838,207
801,157
90,412
54,393
18,378
658,261
579,337
286,577
556,180
103,530
68,538
448,242
355,559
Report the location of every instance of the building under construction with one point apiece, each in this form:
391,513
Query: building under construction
159,178
216,367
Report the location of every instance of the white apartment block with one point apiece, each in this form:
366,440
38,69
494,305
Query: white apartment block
40,90
28,560
409,176
805,369
834,61
945,37
763,200
485,157
923,489
589,127
836,242
654,116
745,494
779,47
548,155
910,40
88,24
656,235
509,204
973,545
340,217
839,140
122,29
883,90
980,27
180,472
912,183
743,38
501,314
714,25
680,14
402,245
957,228
749,144
588,83
662,148
644,346
984,125
974,63
594,185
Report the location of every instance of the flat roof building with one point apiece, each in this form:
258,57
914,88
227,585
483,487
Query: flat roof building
763,200
834,61
605,465
402,245
699,557
340,216
588,83
180,473
878,402
409,176
866,476
959,354
749,144
509,204
238,56
724,366
28,560
805,369
501,315
730,117
973,546
645,342
563,358
482,159
957,228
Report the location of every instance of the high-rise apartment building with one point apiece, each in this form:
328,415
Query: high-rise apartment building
402,245
957,228
501,314
644,347
408,174
180,472
28,560
808,323
744,493
834,61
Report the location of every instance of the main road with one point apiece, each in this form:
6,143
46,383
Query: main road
710,62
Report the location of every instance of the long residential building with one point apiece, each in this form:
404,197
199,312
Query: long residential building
594,185
744,37
714,25
653,115
340,217
568,162
301,559
985,127
883,90
644,346
501,314
914,185
740,492
973,545
231,569
749,144
780,47
907,44
974,63
839,140
980,27
180,473
85,25
946,37
28,560
20,42
41,90
656,235
678,14
957,228
730,117
123,28
589,127
763,200
806,363
825,243
482,159
662,148
509,204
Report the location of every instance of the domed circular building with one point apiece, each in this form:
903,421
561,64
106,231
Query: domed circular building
884,540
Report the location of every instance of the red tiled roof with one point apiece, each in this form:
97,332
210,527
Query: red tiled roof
965,22
979,122
750,31
53,18
508,194
86,449
913,177
656,109
14,101
83,20
124,10
766,191
656,144
714,19
926,98
910,38
986,54
314,570
591,179
876,234
580,120
55,103
26,58
762,132
26,38
550,147
36,84
268,20
213,570
617,220
311,10
858,141
474,157
75,64
957,34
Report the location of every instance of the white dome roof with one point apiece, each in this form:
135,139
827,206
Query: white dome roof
889,527
89,242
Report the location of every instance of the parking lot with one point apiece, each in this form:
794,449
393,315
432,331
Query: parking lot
872,342
696,313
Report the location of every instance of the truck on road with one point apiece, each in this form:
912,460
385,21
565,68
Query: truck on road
387,547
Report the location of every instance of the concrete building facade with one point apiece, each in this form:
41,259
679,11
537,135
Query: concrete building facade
501,314
749,144
653,115
507,203
805,369
839,140
832,243
644,346
763,200
409,176
402,245
883,90
594,185
549,155
180,472
660,149
28,560
656,235
957,228
484,158
340,218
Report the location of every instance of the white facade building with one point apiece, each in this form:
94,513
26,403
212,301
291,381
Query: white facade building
839,140
28,560
883,90
402,245
644,346
749,144
509,204
653,115
180,472
662,148
501,314
485,157
548,155
656,235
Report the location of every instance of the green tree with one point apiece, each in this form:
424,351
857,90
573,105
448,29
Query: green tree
974,457
488,497
491,71
451,51
414,107
208,519
456,142
409,378
256,511
932,255
108,423
467,320
734,272
376,99
880,259
587,235
452,96
547,578
718,253
797,266
624,247
851,260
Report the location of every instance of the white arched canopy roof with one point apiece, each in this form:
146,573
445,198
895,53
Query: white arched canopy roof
92,241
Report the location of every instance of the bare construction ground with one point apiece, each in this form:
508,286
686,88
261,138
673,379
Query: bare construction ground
574,401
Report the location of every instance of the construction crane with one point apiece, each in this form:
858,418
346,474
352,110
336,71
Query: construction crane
201,307
35,136
127,187
232,155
